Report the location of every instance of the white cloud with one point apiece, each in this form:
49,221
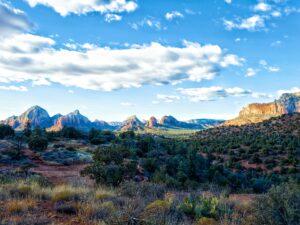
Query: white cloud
228,1
231,60
41,82
172,15
147,22
251,72
265,65
13,88
273,69
215,92
168,98
66,7
127,104
12,20
34,58
251,24
263,7
292,90
276,13
263,62
112,17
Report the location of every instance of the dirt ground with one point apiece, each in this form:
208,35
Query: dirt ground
58,174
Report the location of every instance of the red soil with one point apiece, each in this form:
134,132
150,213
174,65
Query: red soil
58,174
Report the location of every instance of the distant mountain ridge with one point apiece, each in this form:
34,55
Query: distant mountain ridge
39,117
258,112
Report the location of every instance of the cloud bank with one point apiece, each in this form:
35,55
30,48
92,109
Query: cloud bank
32,58
66,7
12,20
215,92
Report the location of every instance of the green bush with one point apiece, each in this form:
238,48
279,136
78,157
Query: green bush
280,206
111,166
71,133
38,143
200,206
6,131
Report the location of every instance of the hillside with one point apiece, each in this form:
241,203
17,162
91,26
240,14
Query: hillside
272,145
255,113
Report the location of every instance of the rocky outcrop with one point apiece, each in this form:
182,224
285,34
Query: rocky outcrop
169,121
258,112
37,116
55,118
74,119
132,123
152,122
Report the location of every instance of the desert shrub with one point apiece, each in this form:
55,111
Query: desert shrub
156,211
110,165
280,206
261,185
98,137
38,140
127,134
37,143
6,131
200,206
71,133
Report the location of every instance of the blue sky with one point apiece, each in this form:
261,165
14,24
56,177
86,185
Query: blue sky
112,59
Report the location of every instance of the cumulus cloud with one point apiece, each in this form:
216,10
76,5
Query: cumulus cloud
215,92
168,98
292,90
228,1
250,72
79,7
12,20
35,59
262,6
252,23
13,88
262,13
273,69
112,17
172,15
276,14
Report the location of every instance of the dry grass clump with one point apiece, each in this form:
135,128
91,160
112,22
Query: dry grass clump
206,221
68,193
104,193
18,206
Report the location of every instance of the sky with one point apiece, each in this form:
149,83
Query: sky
115,58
